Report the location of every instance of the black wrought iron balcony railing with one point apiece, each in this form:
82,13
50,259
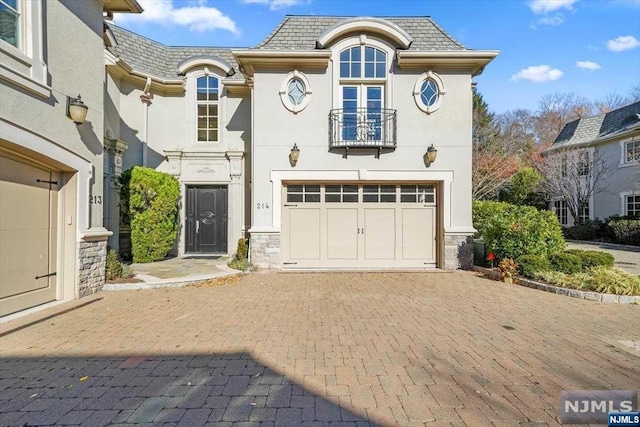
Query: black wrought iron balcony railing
362,128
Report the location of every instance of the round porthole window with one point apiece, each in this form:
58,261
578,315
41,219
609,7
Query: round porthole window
429,92
295,91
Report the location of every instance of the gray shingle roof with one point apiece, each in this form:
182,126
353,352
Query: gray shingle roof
156,59
293,33
300,33
587,129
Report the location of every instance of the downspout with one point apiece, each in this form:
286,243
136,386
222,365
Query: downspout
253,169
146,101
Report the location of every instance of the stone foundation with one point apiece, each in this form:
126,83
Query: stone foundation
92,257
458,251
265,250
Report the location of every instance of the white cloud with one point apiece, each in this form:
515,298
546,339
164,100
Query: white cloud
197,16
623,43
551,20
537,74
588,65
277,4
546,6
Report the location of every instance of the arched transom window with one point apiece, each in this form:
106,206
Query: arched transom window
363,62
207,105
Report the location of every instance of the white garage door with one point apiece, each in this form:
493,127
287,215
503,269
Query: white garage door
28,235
359,226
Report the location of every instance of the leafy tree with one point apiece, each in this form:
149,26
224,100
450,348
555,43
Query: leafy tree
523,187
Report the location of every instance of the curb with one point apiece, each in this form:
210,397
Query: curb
605,245
167,283
573,293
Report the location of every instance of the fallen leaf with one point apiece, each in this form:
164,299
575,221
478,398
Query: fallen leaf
84,378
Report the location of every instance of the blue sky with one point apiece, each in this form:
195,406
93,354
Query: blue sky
590,47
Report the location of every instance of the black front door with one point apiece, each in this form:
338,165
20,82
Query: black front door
206,226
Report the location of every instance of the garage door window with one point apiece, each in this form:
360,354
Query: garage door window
341,194
417,194
379,194
306,193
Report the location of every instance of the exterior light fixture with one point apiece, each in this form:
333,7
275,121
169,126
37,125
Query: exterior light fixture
76,110
431,154
295,154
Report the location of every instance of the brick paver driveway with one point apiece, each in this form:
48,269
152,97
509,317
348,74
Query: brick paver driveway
288,349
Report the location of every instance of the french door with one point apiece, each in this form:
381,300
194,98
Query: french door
362,113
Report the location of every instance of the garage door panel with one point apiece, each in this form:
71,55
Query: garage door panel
28,236
304,238
342,234
379,233
418,233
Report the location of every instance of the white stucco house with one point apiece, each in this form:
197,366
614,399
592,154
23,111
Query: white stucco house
52,238
314,143
605,148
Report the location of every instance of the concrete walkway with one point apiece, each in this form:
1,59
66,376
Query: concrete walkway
174,272
332,349
626,257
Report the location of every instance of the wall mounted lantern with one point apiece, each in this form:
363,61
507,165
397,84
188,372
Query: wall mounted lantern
431,154
76,110
295,154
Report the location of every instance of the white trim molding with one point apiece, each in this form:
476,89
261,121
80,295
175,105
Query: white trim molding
374,25
284,91
417,91
208,60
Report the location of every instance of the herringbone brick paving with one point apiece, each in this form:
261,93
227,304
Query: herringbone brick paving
318,349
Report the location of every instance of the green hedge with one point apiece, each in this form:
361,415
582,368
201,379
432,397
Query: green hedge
626,231
512,231
484,211
565,263
529,265
592,259
153,207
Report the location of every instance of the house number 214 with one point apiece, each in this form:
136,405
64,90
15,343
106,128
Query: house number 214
263,205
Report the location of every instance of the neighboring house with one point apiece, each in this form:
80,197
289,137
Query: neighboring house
52,239
314,143
606,154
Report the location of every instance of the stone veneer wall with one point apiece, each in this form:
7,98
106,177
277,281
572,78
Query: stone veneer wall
458,251
265,250
92,259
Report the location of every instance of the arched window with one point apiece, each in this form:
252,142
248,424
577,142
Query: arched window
207,106
352,65
363,74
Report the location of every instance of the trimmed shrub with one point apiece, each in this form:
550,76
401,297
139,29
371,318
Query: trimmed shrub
565,263
512,231
115,268
529,265
591,259
153,207
113,265
582,232
483,211
240,261
626,231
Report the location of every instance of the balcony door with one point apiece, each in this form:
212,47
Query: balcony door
362,113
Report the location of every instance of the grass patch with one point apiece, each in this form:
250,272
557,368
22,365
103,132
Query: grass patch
600,279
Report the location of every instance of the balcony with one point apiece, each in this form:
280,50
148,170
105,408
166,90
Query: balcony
362,128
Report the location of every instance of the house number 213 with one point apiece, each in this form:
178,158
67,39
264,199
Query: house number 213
97,200
263,205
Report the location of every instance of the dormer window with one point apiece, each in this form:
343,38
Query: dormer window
207,106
